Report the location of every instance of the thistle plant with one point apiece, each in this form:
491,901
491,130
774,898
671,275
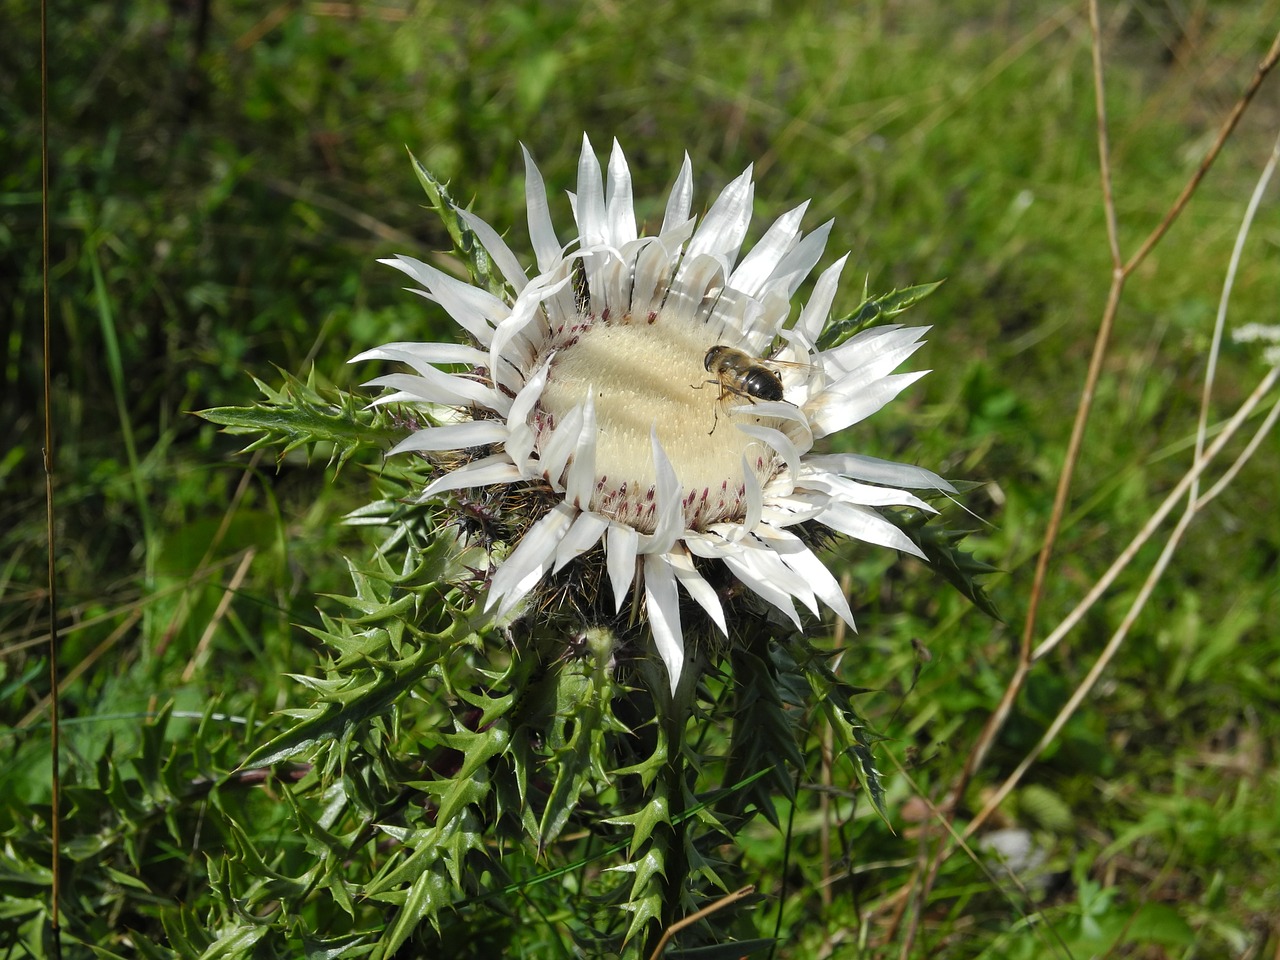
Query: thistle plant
573,670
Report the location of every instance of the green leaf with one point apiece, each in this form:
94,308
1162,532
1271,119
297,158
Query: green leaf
298,415
430,892
763,735
655,813
872,311
236,941
940,545
479,264
361,701
646,898
834,698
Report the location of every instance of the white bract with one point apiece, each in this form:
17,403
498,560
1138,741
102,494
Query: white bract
590,380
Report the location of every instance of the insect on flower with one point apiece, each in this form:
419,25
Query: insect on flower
739,372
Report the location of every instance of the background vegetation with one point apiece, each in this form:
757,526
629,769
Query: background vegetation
223,178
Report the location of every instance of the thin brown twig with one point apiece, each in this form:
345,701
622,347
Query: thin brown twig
1266,65
995,723
1187,483
82,666
706,911
228,594
55,797
1121,270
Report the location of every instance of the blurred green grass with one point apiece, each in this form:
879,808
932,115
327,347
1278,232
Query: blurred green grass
220,194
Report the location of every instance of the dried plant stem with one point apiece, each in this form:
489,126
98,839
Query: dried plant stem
1190,484
228,594
55,772
1121,270
1157,571
1220,321
1120,273
673,929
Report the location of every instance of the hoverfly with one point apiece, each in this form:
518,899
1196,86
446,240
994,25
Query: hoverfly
738,372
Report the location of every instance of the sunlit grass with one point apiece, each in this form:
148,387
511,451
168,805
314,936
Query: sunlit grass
232,196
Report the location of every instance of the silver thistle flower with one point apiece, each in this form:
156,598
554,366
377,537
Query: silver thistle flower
600,381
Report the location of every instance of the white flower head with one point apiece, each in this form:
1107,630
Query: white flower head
652,390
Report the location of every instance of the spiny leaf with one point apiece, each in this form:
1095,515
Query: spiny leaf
298,415
655,813
646,899
763,738
835,698
874,310
430,892
940,545
465,243
579,724
336,721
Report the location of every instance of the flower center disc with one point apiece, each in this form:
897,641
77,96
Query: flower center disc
650,375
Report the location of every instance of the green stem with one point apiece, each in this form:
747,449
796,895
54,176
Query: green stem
674,710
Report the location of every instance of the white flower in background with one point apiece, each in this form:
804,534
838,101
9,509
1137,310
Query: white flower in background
1266,334
597,383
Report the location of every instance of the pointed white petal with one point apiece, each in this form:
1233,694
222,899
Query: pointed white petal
875,470
649,284
475,310
732,315
546,248
669,498
585,533
773,310
611,285
710,545
589,208
873,352
814,315
787,511
863,523
804,256
425,353
506,336
622,545
674,238
778,441
745,567
520,443
436,387
793,552
497,249
554,453
757,266
831,411
484,472
580,482
866,494
458,436
723,228
768,565
620,212
681,198
698,277
535,551
697,587
663,606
